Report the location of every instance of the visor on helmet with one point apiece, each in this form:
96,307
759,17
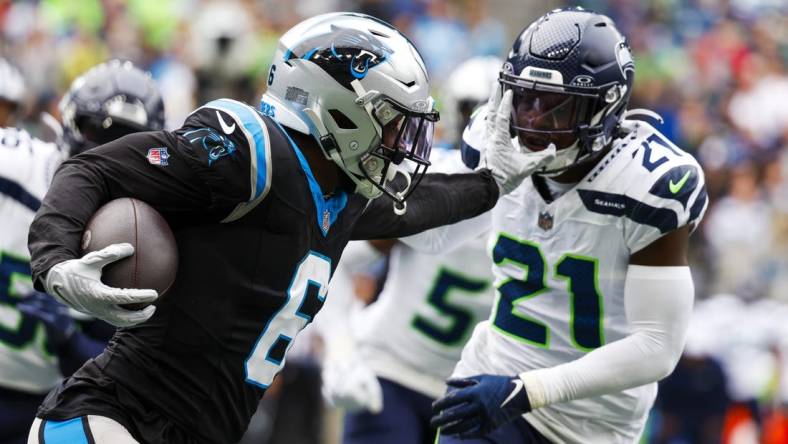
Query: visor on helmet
405,135
544,113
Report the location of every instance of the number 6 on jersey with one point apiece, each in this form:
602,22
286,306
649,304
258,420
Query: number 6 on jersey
305,296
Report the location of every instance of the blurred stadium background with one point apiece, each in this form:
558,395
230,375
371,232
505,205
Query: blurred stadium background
715,71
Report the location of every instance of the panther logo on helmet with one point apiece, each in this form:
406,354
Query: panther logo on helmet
351,54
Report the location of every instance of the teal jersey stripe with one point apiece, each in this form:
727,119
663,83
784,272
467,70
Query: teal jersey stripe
65,432
254,127
326,208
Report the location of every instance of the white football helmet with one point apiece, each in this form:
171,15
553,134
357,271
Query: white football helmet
12,84
469,86
360,88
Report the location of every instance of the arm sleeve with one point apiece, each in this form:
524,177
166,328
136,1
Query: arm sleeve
449,237
446,238
198,173
439,199
658,307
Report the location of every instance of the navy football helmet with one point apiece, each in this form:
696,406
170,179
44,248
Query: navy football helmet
109,101
571,73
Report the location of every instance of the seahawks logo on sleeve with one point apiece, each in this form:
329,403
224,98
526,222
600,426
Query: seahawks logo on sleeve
682,183
655,186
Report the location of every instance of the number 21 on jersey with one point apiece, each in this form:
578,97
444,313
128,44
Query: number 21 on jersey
305,296
585,300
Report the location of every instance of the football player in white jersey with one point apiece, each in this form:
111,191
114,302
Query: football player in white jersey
12,91
407,343
39,339
594,292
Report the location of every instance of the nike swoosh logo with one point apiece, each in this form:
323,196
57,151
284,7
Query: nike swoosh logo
227,129
518,386
676,187
56,289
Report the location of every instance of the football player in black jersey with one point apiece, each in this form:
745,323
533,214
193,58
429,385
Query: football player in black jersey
44,342
262,204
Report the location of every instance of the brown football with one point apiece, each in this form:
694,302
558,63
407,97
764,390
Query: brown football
155,260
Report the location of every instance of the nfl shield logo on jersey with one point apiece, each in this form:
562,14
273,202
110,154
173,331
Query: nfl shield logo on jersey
158,156
545,221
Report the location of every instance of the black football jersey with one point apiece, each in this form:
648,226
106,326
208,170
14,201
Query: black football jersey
257,242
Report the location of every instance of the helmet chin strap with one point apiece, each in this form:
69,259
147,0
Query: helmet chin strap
399,210
564,158
557,171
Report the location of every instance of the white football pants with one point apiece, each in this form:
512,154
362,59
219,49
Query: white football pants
89,429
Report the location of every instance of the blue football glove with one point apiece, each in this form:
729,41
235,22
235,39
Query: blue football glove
474,407
59,324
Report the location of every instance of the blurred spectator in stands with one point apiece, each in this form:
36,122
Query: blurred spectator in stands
738,230
757,107
442,38
692,403
223,51
487,36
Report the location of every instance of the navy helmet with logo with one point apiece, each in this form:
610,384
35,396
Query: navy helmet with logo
571,73
109,101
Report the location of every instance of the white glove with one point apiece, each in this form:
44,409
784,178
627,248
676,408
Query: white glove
77,283
352,386
507,163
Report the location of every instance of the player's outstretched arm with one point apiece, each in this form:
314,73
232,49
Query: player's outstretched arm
440,199
658,298
447,238
446,199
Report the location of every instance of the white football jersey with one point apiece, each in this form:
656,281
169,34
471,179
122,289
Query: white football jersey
414,333
26,169
559,274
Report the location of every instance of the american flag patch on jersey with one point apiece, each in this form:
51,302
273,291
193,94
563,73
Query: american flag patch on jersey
158,156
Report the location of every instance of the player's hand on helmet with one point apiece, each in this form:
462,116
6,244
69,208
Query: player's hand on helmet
351,385
474,407
77,283
508,164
